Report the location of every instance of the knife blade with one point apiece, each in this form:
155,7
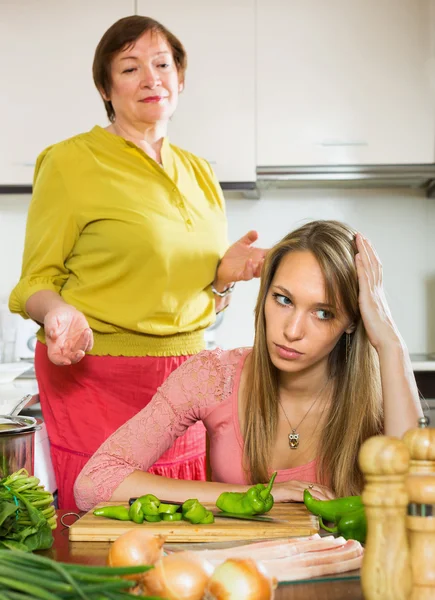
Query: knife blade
225,515
262,518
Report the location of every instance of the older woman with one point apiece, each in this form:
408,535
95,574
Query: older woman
125,261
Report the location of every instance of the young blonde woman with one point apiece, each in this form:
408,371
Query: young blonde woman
327,370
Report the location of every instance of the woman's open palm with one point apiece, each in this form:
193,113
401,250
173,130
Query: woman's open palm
242,261
67,334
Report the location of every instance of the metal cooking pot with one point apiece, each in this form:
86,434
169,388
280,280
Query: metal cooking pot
17,441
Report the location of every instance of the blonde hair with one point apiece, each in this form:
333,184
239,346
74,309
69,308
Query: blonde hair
356,409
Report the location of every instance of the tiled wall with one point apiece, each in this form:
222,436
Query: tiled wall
400,223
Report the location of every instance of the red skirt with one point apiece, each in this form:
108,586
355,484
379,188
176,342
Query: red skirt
84,404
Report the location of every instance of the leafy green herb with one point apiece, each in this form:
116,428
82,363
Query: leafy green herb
27,515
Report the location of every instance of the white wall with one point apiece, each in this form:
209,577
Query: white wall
400,223
13,214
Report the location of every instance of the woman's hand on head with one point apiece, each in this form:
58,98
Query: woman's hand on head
241,262
67,334
373,304
293,491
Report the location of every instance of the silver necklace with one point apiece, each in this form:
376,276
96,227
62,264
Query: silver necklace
293,436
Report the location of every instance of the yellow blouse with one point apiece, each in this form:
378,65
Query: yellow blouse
131,244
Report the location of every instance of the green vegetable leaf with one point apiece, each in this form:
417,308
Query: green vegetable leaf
6,510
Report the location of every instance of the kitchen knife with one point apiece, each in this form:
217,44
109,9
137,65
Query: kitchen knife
262,518
226,515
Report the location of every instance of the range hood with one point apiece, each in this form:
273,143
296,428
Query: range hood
319,177
356,176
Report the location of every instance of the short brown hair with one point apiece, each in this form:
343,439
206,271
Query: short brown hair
122,34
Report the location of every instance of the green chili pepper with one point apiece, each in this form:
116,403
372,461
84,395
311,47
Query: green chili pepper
187,505
209,518
193,511
257,500
136,512
149,504
352,525
331,510
153,518
168,508
171,516
113,512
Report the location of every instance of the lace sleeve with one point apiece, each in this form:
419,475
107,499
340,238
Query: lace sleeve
187,396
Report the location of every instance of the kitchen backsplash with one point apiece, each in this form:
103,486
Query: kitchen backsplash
400,223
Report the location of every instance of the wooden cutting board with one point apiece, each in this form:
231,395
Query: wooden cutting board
299,523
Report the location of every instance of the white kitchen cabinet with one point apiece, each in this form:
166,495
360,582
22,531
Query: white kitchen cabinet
215,117
47,92
345,82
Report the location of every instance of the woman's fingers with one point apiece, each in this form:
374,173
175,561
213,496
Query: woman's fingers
321,492
374,260
365,259
90,341
370,259
70,350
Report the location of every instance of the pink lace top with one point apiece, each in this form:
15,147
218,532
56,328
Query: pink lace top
204,388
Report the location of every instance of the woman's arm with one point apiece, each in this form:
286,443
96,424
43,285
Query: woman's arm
402,406
67,332
139,483
42,302
241,262
51,234
118,469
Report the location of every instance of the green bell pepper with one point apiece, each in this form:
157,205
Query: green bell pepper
153,518
145,506
121,513
209,518
193,511
136,512
168,508
150,505
331,510
171,516
257,500
346,513
352,525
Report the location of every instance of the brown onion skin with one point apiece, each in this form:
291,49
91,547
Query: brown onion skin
162,581
134,548
262,585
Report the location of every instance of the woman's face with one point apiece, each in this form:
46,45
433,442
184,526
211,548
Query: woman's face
301,328
145,83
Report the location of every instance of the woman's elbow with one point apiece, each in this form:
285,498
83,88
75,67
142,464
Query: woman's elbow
85,493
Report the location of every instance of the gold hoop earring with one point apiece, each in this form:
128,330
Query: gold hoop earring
347,346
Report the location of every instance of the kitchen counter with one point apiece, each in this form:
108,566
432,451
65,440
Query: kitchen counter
95,553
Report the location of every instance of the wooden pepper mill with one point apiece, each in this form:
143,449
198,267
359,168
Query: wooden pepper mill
421,532
421,446
386,568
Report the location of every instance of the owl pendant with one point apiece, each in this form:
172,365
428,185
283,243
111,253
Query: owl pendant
293,440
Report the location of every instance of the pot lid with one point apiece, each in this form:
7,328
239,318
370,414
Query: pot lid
9,424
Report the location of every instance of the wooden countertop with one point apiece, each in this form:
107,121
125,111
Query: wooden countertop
95,553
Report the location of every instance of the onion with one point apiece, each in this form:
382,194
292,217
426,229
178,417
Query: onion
136,547
240,579
179,576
